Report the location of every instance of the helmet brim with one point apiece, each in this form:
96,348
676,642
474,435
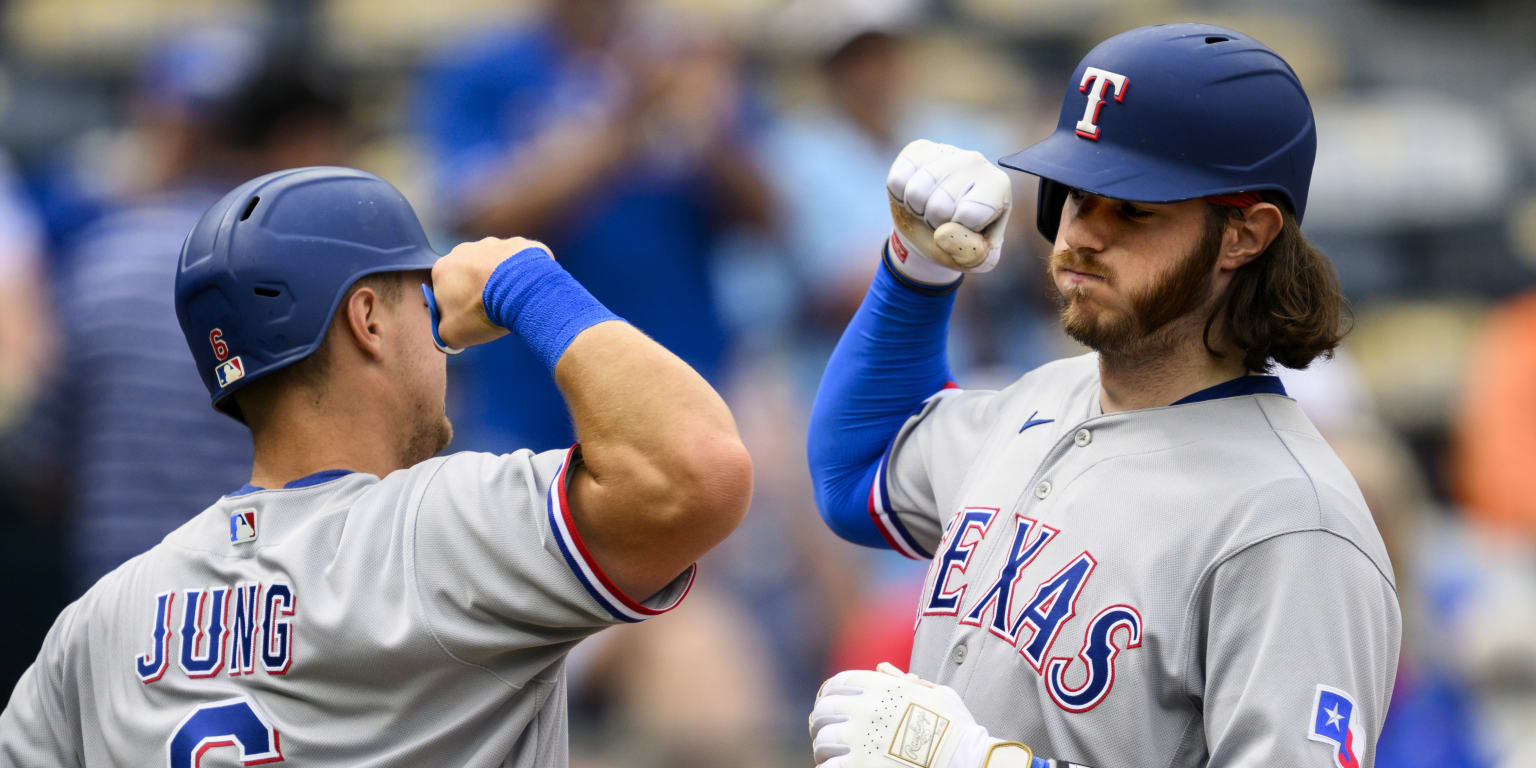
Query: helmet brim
1113,171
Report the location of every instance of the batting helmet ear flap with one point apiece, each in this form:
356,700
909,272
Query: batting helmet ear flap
1048,210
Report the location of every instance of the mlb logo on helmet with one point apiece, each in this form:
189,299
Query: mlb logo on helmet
1333,723
229,371
242,526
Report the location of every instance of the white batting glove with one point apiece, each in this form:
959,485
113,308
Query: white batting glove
888,718
950,207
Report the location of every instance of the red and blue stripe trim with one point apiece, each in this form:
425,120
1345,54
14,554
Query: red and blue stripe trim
896,535
597,584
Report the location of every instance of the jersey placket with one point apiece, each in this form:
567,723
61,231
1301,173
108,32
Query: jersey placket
1032,499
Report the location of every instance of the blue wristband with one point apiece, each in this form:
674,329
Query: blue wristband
534,297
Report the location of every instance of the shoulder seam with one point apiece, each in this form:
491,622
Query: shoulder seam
907,431
1191,729
414,514
1185,629
1316,501
1205,576
1186,632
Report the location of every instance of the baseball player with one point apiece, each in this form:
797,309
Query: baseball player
361,603
1146,555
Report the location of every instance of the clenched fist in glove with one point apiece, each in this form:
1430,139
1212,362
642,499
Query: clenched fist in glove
888,718
950,207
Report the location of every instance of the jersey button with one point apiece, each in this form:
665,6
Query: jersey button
958,654
1043,489
1082,438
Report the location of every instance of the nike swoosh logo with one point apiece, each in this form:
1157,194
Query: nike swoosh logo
1034,421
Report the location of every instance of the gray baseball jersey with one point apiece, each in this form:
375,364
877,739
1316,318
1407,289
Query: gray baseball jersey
421,619
1194,585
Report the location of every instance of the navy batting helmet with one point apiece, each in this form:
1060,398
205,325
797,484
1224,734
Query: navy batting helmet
1176,112
263,270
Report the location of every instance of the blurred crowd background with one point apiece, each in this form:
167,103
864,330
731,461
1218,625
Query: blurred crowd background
713,170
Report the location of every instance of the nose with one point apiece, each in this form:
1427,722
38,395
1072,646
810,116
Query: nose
1084,223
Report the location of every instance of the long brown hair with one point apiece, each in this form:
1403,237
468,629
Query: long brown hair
1284,306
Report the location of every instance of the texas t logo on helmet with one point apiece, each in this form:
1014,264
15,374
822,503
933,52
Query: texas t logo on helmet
1100,79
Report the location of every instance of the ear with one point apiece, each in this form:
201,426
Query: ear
1248,235
364,316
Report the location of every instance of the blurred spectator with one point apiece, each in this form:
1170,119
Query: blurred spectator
1489,587
30,539
619,150
128,419
25,327
1495,449
830,158
1496,436
1435,719
874,85
829,166
801,582
174,97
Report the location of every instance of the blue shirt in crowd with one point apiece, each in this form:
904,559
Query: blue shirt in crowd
641,241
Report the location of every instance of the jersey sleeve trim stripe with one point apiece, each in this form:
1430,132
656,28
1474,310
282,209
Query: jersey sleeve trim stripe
585,566
896,535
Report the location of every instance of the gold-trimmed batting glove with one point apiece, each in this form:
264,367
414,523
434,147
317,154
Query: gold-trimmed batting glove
887,718
950,207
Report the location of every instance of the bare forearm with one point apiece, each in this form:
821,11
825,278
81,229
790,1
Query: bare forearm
647,422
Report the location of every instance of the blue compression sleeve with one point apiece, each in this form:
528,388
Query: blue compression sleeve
890,359
534,297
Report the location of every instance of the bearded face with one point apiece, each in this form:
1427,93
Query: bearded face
1142,319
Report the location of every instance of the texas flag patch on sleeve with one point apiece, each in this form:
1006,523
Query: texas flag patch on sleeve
1334,724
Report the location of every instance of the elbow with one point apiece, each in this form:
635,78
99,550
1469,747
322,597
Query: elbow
845,514
842,499
707,491
720,489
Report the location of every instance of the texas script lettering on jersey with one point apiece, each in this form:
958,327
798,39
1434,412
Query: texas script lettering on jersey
222,627
1046,612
